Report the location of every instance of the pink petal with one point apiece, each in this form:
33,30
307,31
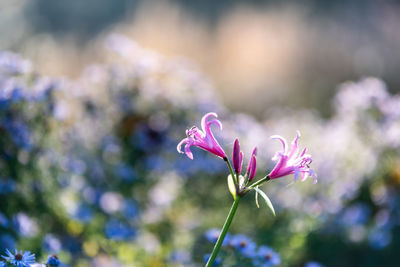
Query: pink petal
217,122
204,124
283,141
304,152
188,152
295,146
179,146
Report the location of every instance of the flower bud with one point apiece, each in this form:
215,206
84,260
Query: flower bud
236,156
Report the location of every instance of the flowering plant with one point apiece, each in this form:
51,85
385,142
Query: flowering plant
288,162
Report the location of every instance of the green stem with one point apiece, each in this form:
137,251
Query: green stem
232,173
224,230
264,179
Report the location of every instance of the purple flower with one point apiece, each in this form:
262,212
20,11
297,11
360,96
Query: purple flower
290,162
202,138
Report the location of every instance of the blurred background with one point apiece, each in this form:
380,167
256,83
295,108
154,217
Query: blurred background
95,95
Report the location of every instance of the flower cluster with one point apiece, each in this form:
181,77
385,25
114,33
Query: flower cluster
26,259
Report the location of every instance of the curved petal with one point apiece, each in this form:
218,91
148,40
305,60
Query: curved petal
217,122
295,146
304,152
312,173
283,141
188,152
204,119
179,146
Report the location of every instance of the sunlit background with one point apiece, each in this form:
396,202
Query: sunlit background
96,94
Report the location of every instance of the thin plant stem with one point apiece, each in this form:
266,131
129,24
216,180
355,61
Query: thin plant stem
224,230
232,173
262,180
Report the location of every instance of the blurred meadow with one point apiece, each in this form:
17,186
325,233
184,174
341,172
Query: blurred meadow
95,95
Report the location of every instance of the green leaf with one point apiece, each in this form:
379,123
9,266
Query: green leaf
266,199
231,186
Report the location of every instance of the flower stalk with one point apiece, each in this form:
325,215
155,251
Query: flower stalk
259,182
235,178
224,230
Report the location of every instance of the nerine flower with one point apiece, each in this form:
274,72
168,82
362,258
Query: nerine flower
20,259
202,138
290,162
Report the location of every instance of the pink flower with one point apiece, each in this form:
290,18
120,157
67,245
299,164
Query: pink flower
290,162
203,138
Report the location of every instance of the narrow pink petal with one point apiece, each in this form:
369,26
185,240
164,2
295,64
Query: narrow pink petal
217,122
295,146
312,173
304,152
283,141
179,146
204,124
188,152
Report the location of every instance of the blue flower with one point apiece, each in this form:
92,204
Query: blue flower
217,261
213,234
180,256
20,259
313,264
244,245
53,261
267,257
117,230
